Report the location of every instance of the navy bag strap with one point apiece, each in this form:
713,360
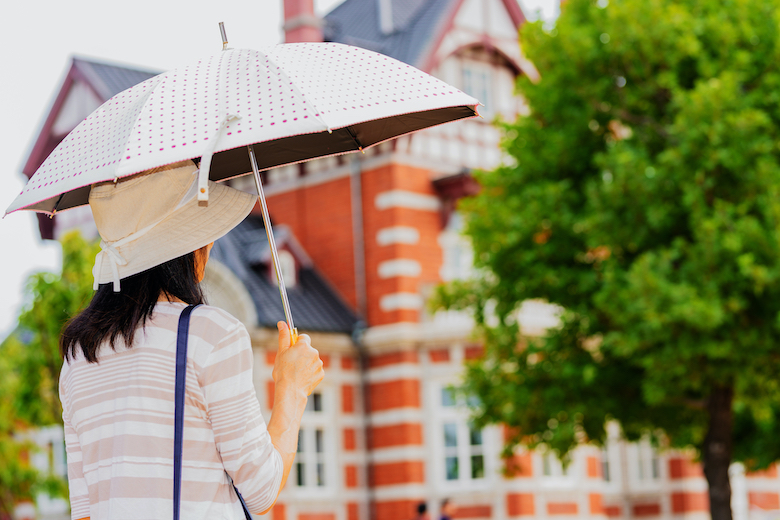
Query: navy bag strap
178,432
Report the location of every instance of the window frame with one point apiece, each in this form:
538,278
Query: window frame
458,415
311,422
472,69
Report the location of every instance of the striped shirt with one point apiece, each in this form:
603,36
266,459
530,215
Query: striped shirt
119,424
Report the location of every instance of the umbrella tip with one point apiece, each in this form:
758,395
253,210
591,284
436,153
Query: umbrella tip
224,35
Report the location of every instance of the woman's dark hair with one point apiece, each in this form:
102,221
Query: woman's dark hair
111,315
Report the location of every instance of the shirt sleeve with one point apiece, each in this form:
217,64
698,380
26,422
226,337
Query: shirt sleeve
240,432
77,484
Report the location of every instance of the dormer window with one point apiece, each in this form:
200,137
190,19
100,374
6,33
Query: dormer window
477,81
288,268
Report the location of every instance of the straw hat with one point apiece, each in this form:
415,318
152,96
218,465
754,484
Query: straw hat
150,218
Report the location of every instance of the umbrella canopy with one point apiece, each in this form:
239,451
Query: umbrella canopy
294,102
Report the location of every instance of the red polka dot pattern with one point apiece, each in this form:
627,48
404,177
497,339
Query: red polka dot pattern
282,91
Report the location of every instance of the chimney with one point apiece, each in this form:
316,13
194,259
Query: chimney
300,23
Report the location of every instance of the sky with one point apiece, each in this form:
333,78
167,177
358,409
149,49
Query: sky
36,45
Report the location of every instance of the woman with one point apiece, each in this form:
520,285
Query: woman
117,382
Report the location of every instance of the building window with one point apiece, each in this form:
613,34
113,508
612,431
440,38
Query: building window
605,465
477,81
287,266
648,465
552,466
457,254
311,464
463,457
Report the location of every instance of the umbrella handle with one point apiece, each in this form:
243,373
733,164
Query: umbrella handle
272,244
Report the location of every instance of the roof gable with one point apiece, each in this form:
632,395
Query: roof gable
87,85
416,23
86,82
418,26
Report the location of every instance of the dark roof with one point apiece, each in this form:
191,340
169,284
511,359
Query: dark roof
416,25
111,79
315,306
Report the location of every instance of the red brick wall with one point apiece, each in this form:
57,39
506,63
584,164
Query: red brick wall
404,434
441,355
684,502
396,509
353,511
401,393
520,504
279,512
646,509
519,465
403,472
320,216
561,508
348,398
595,504
474,511
766,501
350,476
393,358
317,516
427,251
684,468
594,467
349,439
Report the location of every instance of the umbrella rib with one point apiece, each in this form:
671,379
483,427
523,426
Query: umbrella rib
354,138
53,211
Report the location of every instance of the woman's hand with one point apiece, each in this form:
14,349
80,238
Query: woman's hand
298,367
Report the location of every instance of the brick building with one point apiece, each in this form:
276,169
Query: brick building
363,240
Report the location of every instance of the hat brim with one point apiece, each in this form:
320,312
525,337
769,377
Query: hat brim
187,229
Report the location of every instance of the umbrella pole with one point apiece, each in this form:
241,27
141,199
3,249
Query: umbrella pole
272,243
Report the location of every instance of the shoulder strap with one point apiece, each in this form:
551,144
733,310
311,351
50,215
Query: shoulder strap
178,433
178,415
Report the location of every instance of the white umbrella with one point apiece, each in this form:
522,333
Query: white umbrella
242,111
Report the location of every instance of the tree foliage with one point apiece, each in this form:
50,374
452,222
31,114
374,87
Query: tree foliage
30,365
645,202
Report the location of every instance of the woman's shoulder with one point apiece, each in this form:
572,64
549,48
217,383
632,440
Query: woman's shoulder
210,323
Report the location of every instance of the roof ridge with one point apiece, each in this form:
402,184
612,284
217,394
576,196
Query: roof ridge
119,65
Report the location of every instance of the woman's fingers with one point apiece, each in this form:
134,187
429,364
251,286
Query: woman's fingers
284,336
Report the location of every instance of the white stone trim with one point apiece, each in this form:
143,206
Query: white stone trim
400,491
397,416
400,453
397,235
407,199
401,300
401,371
399,267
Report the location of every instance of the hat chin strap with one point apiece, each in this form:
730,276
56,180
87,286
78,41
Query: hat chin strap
109,250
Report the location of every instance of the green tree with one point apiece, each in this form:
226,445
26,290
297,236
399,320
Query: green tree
30,365
644,200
